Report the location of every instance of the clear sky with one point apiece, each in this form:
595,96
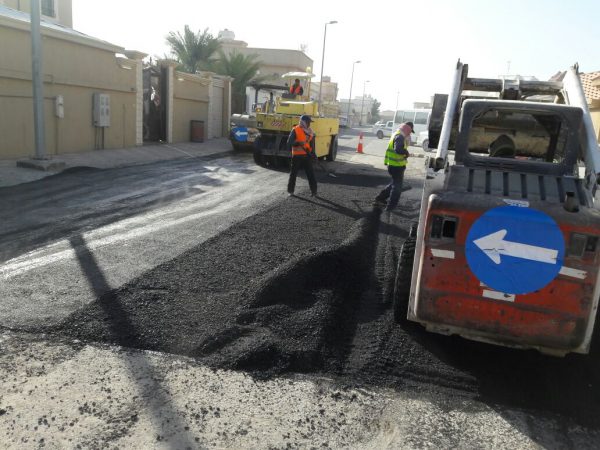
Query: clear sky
407,49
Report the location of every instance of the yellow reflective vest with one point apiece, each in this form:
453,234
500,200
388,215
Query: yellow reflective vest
391,157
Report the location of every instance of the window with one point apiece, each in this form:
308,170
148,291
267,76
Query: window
408,116
421,118
48,8
539,136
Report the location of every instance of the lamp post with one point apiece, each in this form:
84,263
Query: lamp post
362,103
323,61
350,96
38,85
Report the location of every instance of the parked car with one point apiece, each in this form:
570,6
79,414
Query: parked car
381,129
423,140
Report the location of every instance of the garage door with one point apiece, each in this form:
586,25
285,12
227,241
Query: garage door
217,108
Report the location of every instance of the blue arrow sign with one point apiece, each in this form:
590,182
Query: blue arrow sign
240,134
515,250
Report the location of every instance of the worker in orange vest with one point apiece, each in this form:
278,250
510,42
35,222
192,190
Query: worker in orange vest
295,88
301,142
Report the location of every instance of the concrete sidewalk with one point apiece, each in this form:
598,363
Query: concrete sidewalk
11,175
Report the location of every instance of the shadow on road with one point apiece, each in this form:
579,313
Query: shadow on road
124,333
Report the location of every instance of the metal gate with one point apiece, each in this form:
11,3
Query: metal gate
155,111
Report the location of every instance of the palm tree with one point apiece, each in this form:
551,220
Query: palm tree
243,69
193,51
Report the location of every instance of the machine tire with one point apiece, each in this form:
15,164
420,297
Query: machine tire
426,145
259,158
403,278
274,162
379,134
333,148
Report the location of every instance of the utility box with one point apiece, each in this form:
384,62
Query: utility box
101,110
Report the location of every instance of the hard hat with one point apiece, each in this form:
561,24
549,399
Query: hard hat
306,118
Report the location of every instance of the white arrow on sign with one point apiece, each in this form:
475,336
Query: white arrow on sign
239,133
494,245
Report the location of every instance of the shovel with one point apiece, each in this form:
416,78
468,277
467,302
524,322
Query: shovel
329,173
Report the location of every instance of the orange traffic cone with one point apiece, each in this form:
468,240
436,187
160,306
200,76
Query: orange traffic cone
360,143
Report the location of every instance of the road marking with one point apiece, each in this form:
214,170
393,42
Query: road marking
448,254
494,245
495,295
575,273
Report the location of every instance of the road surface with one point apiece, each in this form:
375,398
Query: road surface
192,303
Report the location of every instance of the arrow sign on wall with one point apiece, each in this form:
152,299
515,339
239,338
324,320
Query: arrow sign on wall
494,245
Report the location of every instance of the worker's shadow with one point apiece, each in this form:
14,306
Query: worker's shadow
332,206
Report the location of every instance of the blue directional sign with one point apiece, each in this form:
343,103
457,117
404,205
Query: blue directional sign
240,134
515,250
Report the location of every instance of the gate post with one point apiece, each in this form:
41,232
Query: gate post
139,97
169,98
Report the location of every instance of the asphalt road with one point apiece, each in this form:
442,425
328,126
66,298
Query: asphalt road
194,304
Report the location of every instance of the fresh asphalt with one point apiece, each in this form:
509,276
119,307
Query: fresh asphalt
209,264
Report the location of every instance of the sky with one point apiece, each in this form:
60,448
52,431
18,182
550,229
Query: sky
407,49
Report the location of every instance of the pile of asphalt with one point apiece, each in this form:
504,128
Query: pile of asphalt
273,293
305,287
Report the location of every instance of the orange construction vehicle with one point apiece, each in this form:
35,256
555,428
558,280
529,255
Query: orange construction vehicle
506,250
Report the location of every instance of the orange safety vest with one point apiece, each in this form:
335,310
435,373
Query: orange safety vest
304,148
295,90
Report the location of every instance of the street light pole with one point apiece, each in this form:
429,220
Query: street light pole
362,104
323,62
38,87
350,96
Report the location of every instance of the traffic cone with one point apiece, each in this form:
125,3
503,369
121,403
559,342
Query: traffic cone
359,149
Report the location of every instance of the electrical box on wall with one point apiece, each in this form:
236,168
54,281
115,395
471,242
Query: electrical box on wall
101,110
59,106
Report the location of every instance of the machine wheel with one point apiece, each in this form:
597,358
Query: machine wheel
380,134
274,162
333,148
403,278
426,145
258,158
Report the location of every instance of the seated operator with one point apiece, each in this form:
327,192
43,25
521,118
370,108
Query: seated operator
295,88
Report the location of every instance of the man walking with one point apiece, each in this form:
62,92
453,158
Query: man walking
395,158
301,142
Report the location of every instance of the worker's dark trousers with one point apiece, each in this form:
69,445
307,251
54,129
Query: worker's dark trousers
393,190
302,162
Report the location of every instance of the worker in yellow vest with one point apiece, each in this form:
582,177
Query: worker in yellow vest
301,142
396,157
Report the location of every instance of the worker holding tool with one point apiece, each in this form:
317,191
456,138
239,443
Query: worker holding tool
301,142
395,158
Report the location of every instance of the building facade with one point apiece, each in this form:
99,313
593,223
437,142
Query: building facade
274,62
94,92
56,11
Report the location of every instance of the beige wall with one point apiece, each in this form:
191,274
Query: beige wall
190,102
74,71
64,10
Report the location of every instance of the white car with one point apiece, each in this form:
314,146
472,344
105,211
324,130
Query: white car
383,129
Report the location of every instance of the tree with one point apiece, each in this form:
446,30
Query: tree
193,51
243,69
375,110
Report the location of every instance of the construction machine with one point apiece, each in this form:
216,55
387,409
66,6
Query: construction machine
275,123
506,250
